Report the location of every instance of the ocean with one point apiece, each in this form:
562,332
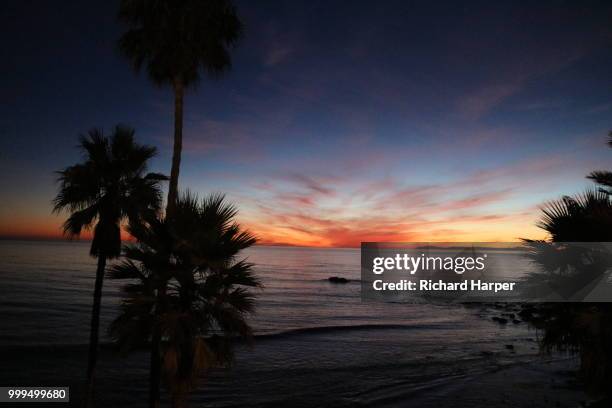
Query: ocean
316,343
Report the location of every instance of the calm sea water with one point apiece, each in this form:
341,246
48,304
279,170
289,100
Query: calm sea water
316,341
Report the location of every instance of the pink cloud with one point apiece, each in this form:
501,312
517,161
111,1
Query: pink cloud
453,210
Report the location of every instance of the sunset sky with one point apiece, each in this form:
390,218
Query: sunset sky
340,122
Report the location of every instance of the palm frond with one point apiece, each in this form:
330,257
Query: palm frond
126,270
240,273
79,187
603,178
177,40
586,217
79,220
95,146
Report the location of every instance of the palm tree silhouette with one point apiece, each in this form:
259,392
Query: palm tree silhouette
176,41
208,299
108,188
603,177
586,217
581,328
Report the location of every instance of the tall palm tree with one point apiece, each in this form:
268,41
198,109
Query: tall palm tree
208,299
109,187
177,41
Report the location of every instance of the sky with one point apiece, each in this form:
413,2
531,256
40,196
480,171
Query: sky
339,122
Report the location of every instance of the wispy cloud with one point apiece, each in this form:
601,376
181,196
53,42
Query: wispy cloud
335,211
483,100
277,54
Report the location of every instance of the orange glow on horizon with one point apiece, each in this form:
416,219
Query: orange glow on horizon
327,234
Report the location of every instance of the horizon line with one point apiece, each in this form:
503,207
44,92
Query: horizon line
34,238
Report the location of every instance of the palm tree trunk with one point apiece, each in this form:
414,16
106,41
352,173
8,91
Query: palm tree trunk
94,330
179,91
178,399
155,356
155,362
155,369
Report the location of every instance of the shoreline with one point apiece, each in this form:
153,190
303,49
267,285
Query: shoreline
481,379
